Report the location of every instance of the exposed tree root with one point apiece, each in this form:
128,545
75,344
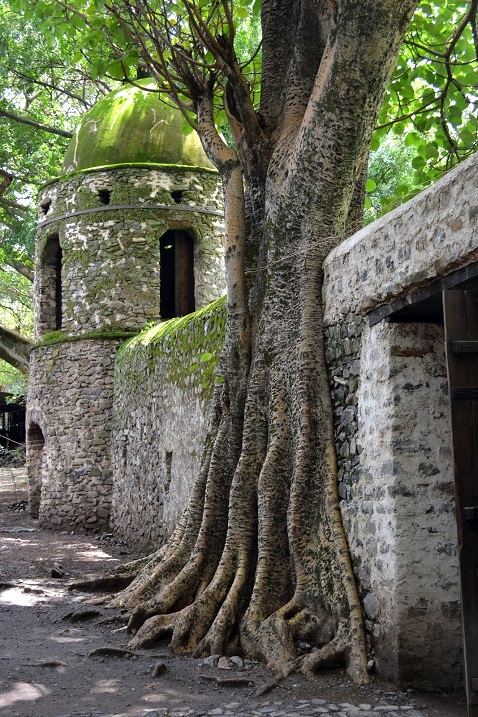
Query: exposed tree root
240,571
275,681
111,652
247,566
259,559
116,579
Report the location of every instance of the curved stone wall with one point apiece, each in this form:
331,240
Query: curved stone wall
69,410
109,223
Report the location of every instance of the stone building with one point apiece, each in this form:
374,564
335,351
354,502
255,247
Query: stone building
129,235
115,436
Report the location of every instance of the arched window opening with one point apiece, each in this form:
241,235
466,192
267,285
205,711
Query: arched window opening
51,287
177,274
35,447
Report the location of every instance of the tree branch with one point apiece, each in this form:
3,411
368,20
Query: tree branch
22,269
38,125
10,204
15,348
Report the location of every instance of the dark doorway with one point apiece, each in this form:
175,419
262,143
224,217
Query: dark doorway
12,422
35,454
177,274
51,286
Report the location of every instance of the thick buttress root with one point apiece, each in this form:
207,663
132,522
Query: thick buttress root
259,560
116,579
237,575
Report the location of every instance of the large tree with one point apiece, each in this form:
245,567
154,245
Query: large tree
260,558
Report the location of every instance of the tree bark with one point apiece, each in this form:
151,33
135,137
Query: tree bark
260,557
15,349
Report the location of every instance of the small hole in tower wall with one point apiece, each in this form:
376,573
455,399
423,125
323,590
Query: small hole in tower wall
178,196
104,195
168,462
45,206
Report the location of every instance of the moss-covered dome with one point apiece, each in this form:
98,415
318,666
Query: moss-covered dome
133,125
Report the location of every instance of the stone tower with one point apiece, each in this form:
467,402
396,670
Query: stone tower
130,234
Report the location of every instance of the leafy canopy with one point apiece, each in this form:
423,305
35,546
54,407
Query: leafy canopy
431,102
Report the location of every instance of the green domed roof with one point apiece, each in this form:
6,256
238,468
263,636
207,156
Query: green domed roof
133,126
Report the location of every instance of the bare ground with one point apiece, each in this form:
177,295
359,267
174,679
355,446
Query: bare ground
46,669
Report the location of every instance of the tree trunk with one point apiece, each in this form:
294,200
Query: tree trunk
15,349
260,557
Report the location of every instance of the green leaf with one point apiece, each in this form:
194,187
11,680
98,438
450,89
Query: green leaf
206,357
431,151
370,185
412,139
241,12
418,162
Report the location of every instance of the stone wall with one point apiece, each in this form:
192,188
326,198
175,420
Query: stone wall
109,223
162,391
396,484
399,514
428,237
69,414
393,438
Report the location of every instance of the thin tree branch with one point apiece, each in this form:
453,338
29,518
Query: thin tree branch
22,269
10,204
38,125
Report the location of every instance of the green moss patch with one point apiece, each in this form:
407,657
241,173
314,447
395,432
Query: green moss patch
133,124
183,351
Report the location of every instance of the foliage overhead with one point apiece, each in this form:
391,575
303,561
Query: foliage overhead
56,62
431,100
45,86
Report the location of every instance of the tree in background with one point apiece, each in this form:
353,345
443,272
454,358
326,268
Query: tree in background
260,558
429,120
45,87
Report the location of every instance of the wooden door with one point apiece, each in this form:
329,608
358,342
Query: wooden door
461,335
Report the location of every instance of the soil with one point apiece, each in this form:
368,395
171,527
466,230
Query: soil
47,668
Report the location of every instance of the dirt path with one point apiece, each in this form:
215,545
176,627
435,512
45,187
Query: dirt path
46,669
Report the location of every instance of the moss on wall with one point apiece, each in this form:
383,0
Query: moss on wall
186,349
60,337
